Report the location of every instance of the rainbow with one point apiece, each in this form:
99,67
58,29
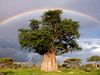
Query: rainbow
34,11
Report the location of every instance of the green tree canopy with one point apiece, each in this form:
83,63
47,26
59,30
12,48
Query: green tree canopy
51,34
6,60
75,60
94,58
72,62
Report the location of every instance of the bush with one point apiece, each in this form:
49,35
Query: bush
88,67
7,73
6,60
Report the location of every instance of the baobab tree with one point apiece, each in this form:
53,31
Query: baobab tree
49,37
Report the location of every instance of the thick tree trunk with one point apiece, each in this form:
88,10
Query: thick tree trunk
49,63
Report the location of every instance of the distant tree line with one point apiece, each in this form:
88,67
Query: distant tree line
72,63
93,62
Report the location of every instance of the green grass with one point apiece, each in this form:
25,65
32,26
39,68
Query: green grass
38,72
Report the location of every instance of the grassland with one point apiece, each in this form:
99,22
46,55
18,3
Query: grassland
38,72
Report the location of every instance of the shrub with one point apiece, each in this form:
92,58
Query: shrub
88,67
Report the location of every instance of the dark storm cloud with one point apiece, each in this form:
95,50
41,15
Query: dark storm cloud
4,43
19,55
12,53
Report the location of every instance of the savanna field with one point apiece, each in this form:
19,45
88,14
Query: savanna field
38,72
9,67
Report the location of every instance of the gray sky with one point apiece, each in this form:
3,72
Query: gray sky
90,28
9,8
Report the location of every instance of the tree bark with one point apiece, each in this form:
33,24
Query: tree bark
49,63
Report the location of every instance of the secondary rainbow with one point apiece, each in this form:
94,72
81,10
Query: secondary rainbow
41,10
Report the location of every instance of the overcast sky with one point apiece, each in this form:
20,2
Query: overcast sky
9,8
14,14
